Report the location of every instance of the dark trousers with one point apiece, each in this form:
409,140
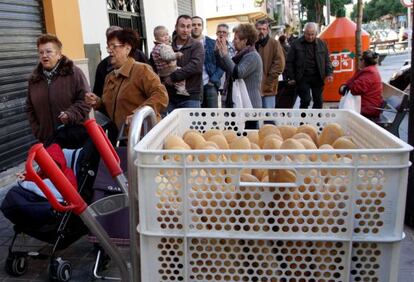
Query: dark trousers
304,86
210,96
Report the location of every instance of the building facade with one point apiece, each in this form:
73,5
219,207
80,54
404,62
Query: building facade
81,26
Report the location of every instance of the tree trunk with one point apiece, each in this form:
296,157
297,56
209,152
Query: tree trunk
358,43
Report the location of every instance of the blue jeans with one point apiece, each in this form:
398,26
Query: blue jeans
268,102
183,104
210,97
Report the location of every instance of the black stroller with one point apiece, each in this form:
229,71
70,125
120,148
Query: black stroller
33,215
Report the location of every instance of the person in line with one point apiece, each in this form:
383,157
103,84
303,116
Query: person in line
222,33
367,83
246,64
165,59
308,67
104,67
131,85
56,92
273,60
212,73
191,67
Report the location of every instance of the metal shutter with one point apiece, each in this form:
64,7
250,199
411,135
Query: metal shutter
21,22
185,7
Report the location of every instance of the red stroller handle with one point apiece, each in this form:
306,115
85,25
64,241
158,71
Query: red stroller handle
39,154
104,146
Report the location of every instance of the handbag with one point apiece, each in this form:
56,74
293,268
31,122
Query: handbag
240,95
350,102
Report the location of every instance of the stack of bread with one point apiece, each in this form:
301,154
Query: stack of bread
268,137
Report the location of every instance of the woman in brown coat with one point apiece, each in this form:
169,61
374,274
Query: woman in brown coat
56,93
130,85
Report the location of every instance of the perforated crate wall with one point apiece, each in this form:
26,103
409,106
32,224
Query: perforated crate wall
338,195
219,259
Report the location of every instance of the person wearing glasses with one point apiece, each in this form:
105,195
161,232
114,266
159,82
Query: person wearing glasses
222,34
308,67
105,67
212,73
131,85
56,91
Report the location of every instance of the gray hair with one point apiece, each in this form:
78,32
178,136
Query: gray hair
111,29
311,25
226,26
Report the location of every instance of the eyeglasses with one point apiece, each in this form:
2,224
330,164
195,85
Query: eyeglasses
113,46
221,31
48,52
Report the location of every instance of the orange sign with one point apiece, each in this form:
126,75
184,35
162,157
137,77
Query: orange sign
343,61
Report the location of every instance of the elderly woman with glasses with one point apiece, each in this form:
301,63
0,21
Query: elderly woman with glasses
367,83
131,85
56,93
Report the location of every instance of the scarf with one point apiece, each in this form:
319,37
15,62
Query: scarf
262,42
49,75
236,59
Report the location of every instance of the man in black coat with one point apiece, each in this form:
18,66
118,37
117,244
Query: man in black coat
308,66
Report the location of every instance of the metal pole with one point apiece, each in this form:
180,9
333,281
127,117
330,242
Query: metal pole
409,208
328,12
409,27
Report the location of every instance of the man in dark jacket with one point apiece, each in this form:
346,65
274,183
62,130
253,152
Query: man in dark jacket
308,66
211,72
191,67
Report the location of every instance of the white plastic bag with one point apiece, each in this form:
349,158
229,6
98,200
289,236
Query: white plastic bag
350,102
240,95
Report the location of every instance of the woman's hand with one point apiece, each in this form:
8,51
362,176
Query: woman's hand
91,99
128,119
64,118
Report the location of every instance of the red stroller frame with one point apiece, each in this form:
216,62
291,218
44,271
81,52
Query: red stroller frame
88,214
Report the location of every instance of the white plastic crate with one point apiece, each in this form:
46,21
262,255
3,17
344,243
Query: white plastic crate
198,193
216,259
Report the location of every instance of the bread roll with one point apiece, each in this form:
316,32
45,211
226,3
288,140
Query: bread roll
245,177
230,135
212,132
241,143
309,145
287,131
268,129
220,140
194,139
253,137
293,144
175,141
267,137
282,176
330,133
302,135
309,129
344,142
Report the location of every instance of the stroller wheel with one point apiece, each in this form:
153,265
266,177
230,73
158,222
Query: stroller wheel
16,264
60,270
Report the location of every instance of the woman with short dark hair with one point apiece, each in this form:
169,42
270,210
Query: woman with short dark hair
367,83
131,85
246,64
56,92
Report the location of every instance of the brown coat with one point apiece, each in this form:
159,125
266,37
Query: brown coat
66,93
273,65
136,85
